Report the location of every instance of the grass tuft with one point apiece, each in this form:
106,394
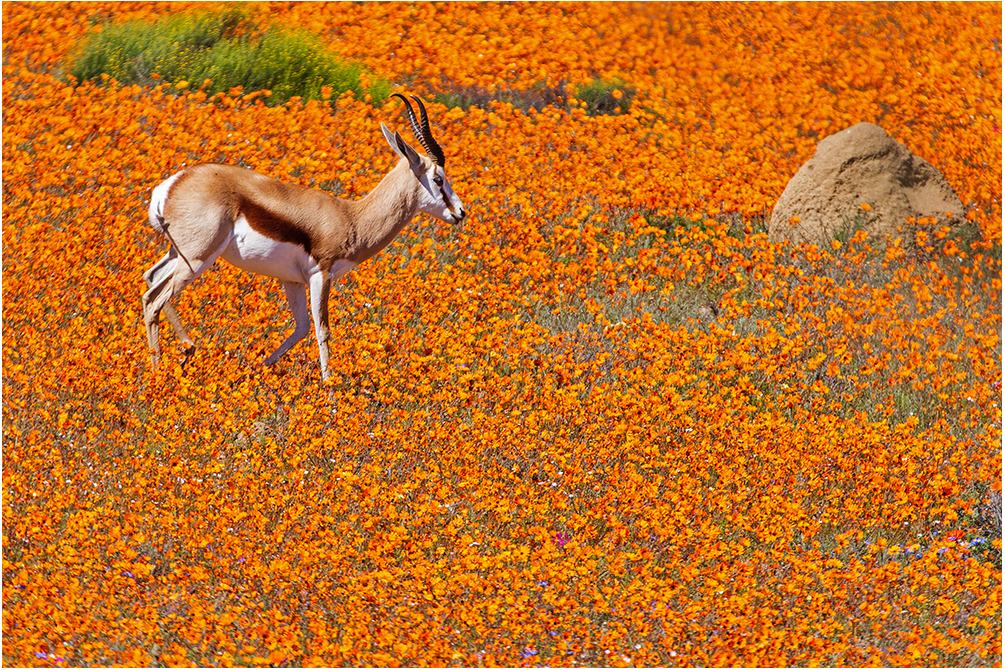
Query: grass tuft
605,97
601,97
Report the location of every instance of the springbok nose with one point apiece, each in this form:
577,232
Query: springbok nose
460,216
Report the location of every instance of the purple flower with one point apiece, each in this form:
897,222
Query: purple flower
561,539
42,655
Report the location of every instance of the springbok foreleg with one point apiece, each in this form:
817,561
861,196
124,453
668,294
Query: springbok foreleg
321,284
296,296
151,277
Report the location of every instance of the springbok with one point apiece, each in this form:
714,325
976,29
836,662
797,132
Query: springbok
298,235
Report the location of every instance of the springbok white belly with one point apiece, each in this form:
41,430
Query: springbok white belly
258,254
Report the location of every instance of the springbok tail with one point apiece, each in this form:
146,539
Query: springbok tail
164,227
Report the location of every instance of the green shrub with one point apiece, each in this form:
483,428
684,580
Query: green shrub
219,46
605,96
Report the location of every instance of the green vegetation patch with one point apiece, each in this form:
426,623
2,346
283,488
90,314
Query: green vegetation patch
599,98
605,96
222,47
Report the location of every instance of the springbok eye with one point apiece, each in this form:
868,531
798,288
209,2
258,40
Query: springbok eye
438,180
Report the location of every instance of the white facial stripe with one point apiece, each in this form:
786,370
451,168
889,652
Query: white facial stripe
444,205
445,191
424,180
441,193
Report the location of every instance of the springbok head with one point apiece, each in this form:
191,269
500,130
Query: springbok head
436,198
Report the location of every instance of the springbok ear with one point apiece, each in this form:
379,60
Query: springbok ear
403,149
389,136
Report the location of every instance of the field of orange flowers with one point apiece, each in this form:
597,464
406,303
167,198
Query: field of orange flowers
603,422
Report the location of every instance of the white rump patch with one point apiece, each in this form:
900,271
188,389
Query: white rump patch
157,200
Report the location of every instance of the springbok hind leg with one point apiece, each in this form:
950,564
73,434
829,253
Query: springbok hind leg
153,276
167,280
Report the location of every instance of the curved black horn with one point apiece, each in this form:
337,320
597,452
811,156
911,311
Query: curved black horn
411,115
432,146
422,131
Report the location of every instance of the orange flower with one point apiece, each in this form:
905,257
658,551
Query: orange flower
604,418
